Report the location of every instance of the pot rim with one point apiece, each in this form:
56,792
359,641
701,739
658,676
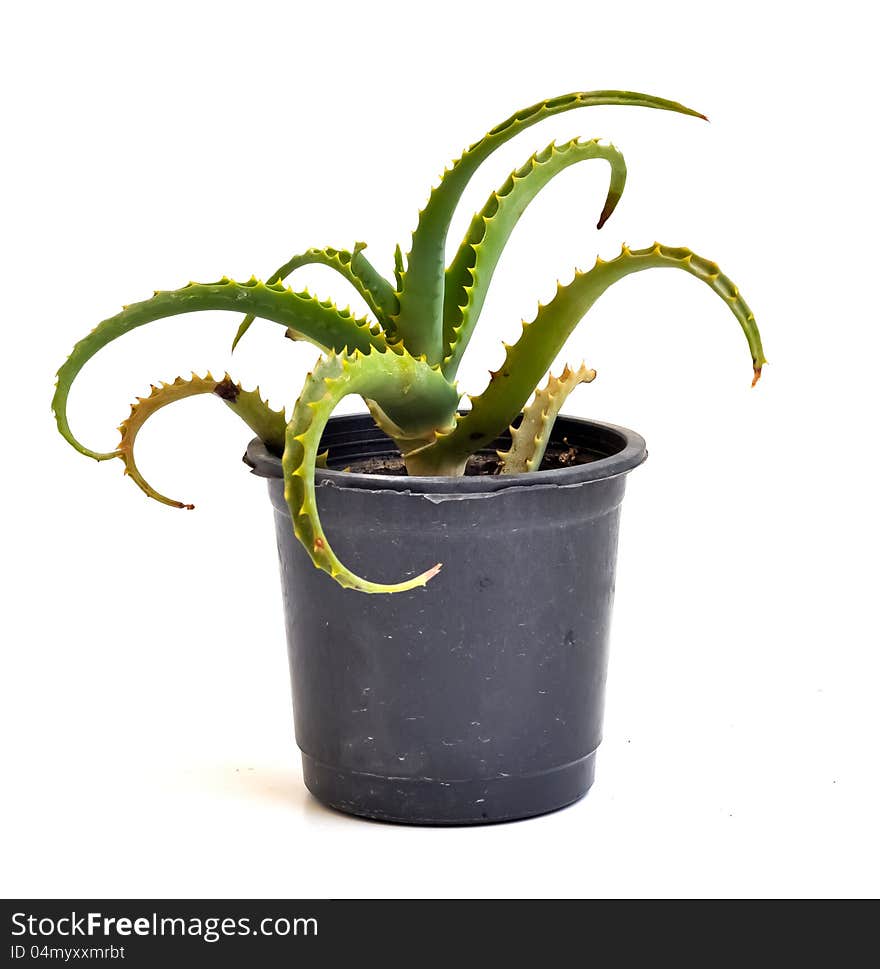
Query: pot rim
630,452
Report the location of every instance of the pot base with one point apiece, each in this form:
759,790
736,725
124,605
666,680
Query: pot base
407,800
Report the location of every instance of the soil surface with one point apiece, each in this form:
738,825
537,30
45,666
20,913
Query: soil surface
556,456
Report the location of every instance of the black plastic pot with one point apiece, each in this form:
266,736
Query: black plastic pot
480,697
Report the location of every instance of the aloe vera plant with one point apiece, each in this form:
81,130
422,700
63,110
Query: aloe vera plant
404,361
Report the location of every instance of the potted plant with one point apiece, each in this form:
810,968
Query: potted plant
480,698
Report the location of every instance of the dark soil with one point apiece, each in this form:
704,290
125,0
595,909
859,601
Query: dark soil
556,456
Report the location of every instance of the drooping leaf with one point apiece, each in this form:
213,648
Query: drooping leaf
531,356
420,319
415,396
266,423
320,322
470,273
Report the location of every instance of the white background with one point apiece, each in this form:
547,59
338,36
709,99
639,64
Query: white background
147,729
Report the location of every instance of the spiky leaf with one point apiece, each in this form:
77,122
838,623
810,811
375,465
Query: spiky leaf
320,322
266,423
470,273
531,356
530,439
415,396
353,266
420,320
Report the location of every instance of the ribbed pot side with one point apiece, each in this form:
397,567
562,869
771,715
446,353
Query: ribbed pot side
480,697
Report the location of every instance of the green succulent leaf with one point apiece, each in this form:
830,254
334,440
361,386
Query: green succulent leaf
415,396
532,355
420,320
267,424
353,266
530,439
320,322
470,273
